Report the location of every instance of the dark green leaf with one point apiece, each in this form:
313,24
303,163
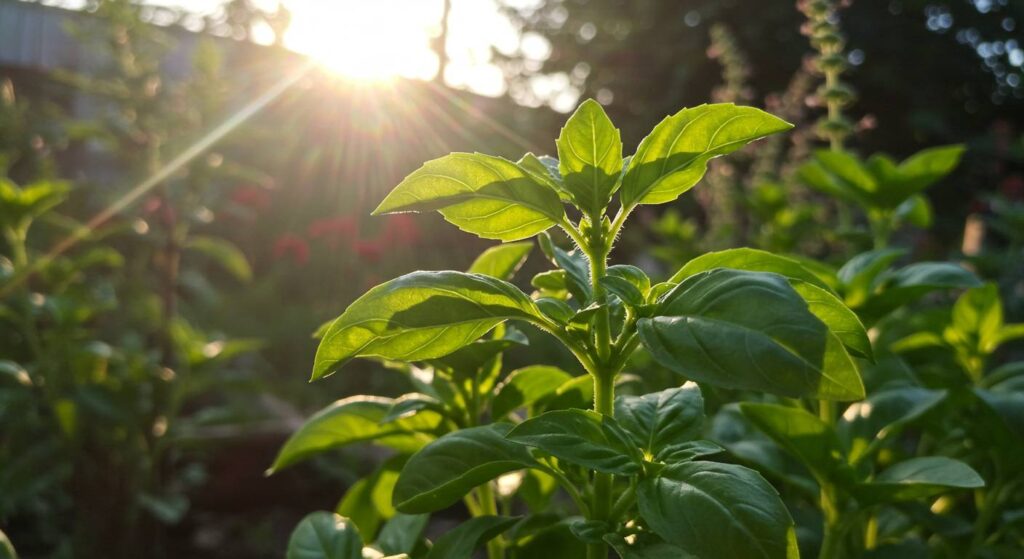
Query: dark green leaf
354,420
918,478
488,196
786,350
443,472
663,422
408,405
544,170
590,157
808,438
883,415
460,542
325,535
421,315
555,309
624,290
857,277
526,386
674,156
713,511
842,321
501,261
401,533
581,437
576,267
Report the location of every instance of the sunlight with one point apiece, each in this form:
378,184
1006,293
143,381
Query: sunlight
369,41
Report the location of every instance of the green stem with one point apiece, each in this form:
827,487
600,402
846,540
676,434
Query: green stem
601,507
831,544
489,506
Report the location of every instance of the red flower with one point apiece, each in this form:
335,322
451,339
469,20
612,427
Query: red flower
251,196
333,230
369,251
401,229
292,246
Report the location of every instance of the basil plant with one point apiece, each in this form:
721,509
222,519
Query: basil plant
635,471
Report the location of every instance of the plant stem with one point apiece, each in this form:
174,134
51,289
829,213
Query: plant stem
489,506
831,543
604,398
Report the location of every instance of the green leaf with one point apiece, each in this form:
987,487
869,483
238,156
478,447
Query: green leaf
358,505
883,415
713,511
663,422
460,542
917,211
918,172
978,319
488,196
842,321
808,438
544,170
821,301
581,437
501,261
633,275
625,290
1009,407
752,260
410,404
526,386
919,478
590,157
6,548
858,275
577,392
354,420
576,267
225,253
912,282
401,533
325,535
19,205
786,350
421,315
674,156
445,470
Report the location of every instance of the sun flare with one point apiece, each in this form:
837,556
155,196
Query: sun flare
370,41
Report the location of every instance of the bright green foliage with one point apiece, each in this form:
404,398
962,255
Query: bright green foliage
488,196
674,157
420,316
742,320
889,193
355,420
590,157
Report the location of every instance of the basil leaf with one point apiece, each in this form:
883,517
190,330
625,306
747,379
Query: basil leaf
544,170
581,437
840,320
445,470
810,439
749,259
501,261
576,267
325,535
590,157
625,290
421,315
918,172
713,511
663,422
488,196
918,478
461,541
883,415
749,330
674,156
354,420
401,533
526,386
